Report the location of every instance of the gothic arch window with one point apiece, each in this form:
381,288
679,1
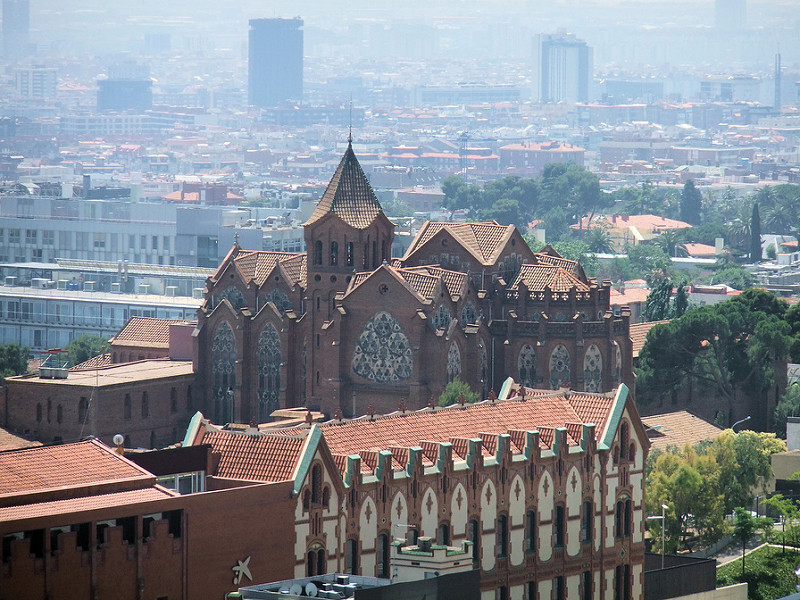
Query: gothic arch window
559,367
234,296
527,366
592,369
468,314
453,363
223,356
349,254
441,318
279,299
383,352
617,364
269,372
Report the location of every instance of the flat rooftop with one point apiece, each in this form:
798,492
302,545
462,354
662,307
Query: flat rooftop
118,374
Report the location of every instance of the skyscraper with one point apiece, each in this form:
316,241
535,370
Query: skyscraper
563,65
730,15
16,28
275,61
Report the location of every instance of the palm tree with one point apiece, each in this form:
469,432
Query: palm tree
739,228
671,241
599,240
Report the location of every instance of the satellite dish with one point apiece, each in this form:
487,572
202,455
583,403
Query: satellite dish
118,439
296,589
311,589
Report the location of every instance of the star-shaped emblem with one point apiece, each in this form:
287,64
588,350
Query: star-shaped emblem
241,570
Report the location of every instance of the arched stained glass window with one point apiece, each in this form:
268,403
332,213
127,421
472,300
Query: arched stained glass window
592,369
527,366
617,364
441,318
453,362
223,355
468,314
559,367
279,299
233,295
383,352
269,372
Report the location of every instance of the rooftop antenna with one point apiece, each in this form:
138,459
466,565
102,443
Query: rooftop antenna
350,135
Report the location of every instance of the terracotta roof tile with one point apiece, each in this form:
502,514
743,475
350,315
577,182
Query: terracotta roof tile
65,465
146,331
406,430
96,362
73,505
260,457
483,240
423,284
571,266
639,333
678,429
538,277
295,268
349,195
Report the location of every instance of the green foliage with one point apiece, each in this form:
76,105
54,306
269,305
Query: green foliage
745,526
650,262
85,347
744,463
730,347
771,252
770,573
578,250
13,360
660,305
599,240
505,211
454,390
397,208
755,235
734,276
691,204
687,482
789,406
671,242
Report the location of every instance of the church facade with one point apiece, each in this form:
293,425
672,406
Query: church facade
347,329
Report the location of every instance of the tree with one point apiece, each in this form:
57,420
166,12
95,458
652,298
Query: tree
734,276
755,235
745,526
650,262
599,240
671,242
731,348
691,203
680,303
656,307
788,512
789,406
13,360
453,392
85,347
744,464
506,212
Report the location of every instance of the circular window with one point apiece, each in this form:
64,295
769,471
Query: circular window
444,242
333,278
383,289
317,278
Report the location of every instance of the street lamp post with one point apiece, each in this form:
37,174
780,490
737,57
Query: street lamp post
739,422
663,519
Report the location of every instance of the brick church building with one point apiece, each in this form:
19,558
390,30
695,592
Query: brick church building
347,329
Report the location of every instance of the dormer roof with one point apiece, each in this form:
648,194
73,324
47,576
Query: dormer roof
349,195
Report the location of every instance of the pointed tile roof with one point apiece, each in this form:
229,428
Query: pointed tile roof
146,331
349,195
482,240
558,279
258,457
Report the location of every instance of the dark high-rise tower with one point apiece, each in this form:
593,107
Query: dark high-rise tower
276,61
16,28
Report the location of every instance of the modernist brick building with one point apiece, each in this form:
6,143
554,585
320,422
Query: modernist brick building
547,485
346,326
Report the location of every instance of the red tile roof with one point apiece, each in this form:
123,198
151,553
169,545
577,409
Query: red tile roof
409,429
678,429
483,240
639,333
146,332
349,195
67,465
538,277
73,505
255,457
9,441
